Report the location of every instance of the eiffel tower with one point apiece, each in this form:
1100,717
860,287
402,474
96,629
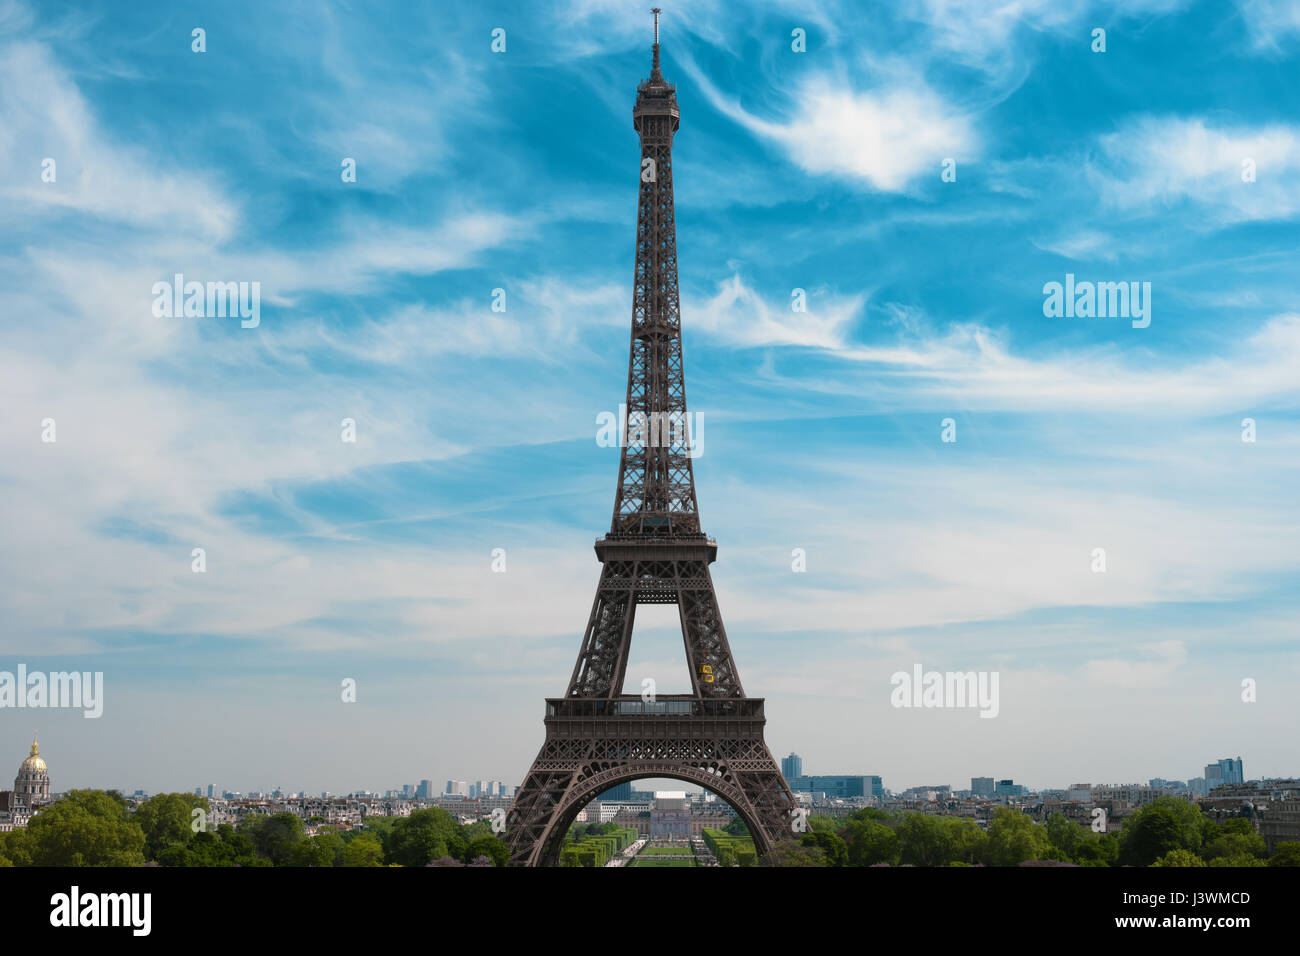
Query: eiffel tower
654,553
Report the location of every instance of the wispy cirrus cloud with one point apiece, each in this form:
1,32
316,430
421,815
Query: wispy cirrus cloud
883,137
736,313
43,116
1153,162
1271,23
976,365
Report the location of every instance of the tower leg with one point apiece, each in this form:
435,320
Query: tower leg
564,778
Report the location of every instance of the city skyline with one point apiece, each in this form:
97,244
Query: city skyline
648,784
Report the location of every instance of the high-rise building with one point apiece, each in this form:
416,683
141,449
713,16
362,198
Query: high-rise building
792,766
839,785
981,786
212,790
1224,771
621,792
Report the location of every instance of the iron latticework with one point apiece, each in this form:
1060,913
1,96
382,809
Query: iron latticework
654,553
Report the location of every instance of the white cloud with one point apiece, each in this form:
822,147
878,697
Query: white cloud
1153,161
544,318
973,366
983,33
1087,245
43,115
885,137
979,32
737,314
1270,22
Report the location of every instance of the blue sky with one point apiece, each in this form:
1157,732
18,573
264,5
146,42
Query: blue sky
476,429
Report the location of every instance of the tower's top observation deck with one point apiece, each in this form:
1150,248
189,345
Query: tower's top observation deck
655,96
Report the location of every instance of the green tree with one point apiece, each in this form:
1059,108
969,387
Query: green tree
1285,854
363,850
425,835
323,849
16,846
1098,850
488,846
222,847
870,842
1237,860
1234,844
1179,857
236,849
1239,825
1068,836
274,836
379,827
1014,838
871,814
84,828
834,849
167,820
925,840
479,828
1164,824
736,827
792,853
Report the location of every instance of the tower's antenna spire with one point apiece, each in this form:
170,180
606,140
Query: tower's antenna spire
655,65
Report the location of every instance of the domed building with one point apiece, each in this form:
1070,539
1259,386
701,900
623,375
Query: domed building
32,785
31,790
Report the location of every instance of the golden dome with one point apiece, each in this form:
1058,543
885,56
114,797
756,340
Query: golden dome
33,761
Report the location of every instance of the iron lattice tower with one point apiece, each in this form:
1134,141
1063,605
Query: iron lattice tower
654,553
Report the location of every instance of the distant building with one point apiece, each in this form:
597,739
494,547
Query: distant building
1273,804
31,791
927,794
1223,772
621,793
839,786
670,815
1280,823
981,786
791,767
